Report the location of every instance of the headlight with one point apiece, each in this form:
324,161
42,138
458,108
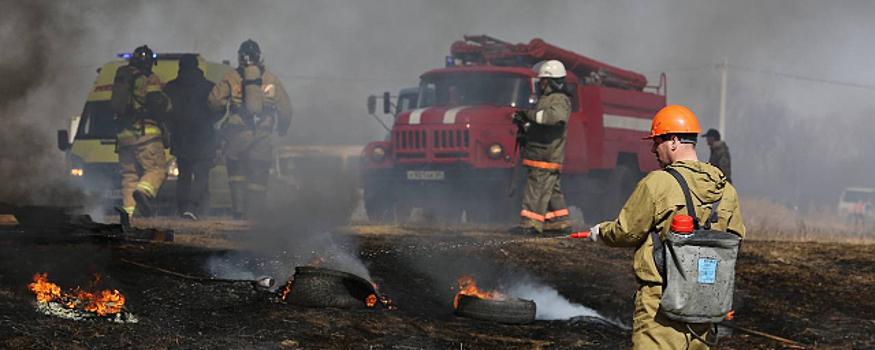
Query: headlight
77,166
495,151
172,169
378,154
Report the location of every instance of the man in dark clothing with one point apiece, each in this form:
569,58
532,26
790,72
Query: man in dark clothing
193,136
719,153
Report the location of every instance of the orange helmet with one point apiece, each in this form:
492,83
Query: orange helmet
674,119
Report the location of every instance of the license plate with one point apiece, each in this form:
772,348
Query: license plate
425,175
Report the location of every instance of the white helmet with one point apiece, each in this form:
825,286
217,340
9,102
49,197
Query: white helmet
550,69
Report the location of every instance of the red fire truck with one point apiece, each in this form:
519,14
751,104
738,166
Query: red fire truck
456,151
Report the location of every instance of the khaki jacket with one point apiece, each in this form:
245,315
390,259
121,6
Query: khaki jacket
229,93
658,198
128,98
545,140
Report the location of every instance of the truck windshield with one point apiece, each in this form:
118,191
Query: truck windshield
858,196
459,89
97,122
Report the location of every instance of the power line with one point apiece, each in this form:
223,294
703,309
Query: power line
805,78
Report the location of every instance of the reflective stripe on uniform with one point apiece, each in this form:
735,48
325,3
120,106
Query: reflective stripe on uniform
237,178
556,214
256,187
147,187
149,130
542,165
130,210
532,215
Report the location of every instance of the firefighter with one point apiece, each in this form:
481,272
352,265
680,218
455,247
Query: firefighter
719,153
194,141
543,203
257,104
139,106
651,207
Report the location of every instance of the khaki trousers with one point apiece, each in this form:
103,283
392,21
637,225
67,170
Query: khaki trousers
652,330
143,168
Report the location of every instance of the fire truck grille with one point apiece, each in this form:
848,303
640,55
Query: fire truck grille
410,140
451,139
443,143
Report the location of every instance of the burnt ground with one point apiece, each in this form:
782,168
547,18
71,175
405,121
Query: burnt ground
820,294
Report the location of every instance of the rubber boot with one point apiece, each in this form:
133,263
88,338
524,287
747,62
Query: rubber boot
238,195
528,227
144,205
558,226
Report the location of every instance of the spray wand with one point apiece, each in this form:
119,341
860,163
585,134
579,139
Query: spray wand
581,234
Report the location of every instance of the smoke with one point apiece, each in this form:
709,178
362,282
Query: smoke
31,169
550,305
51,49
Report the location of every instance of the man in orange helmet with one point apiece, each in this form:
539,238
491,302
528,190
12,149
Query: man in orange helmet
656,200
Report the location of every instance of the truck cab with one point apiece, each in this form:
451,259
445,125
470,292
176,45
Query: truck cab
456,151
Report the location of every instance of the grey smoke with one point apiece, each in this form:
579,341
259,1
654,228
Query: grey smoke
550,305
332,55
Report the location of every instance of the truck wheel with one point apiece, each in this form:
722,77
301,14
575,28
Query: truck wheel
511,311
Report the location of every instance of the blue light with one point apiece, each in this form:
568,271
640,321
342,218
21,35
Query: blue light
124,55
154,55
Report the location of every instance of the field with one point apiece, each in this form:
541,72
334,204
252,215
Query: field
817,293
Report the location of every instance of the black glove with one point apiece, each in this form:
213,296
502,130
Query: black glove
519,117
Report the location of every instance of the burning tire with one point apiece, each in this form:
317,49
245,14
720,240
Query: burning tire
319,287
508,311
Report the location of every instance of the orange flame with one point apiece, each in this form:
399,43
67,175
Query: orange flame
371,300
288,289
467,286
102,303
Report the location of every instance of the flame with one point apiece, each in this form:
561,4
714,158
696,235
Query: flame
467,286
102,303
288,289
371,300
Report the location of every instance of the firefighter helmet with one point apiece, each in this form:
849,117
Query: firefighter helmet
674,119
551,69
249,53
143,58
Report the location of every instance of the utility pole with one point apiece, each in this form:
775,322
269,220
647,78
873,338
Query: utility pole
723,98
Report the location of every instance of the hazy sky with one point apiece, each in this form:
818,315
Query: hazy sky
332,54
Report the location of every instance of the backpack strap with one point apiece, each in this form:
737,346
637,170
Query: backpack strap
713,217
691,210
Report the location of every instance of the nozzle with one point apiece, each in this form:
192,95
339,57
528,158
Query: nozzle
581,234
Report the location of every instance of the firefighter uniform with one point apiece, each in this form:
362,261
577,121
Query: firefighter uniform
651,208
247,138
138,103
543,202
653,204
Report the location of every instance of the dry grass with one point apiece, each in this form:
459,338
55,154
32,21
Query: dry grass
768,220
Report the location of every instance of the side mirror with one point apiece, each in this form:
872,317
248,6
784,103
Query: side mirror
387,103
372,104
63,140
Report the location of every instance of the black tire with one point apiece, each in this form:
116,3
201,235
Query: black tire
318,287
511,311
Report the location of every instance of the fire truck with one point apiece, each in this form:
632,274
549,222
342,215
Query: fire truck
456,152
